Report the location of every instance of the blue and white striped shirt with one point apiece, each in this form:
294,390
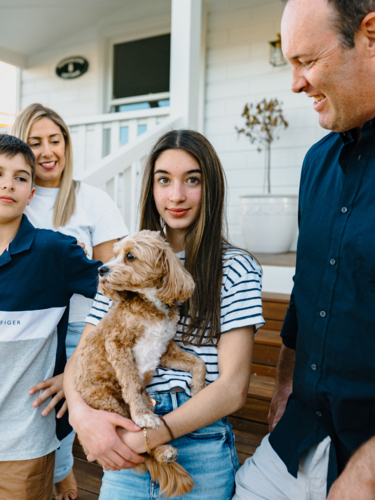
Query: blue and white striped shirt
241,306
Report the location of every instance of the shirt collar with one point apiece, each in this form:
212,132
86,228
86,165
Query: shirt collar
349,135
24,238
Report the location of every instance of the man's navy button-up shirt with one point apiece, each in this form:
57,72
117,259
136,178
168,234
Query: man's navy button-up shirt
331,318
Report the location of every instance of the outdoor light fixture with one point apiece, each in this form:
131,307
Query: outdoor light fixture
276,54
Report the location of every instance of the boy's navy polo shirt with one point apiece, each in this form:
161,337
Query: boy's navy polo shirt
331,318
39,273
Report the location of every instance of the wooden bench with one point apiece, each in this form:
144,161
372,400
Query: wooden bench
249,423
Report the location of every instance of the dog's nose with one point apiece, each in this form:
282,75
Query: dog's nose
103,270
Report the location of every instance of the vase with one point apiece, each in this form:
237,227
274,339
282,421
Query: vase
268,222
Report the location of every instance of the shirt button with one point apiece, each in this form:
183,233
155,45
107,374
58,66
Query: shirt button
344,210
319,414
332,262
323,314
314,367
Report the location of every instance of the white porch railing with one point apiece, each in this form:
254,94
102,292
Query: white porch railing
119,172
102,158
95,137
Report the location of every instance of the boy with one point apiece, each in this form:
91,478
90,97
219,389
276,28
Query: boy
39,272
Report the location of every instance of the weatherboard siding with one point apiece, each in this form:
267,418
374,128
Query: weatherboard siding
237,72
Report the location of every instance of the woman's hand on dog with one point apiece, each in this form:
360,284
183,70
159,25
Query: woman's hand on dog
52,386
97,432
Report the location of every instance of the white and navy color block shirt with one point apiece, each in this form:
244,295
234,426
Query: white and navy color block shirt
241,306
39,273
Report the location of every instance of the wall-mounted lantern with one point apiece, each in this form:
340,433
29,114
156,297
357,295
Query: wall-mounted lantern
276,54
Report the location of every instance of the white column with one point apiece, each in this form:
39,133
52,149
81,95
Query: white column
185,60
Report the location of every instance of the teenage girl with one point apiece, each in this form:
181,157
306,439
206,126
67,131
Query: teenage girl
74,209
183,197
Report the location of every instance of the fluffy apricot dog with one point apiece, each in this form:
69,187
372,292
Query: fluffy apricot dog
117,361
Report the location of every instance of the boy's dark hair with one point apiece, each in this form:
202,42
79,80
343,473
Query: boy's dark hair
11,146
349,15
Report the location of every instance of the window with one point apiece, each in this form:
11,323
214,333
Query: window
141,68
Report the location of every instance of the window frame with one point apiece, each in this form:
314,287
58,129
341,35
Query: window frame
113,103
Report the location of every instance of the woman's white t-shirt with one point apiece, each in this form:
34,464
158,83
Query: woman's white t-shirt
96,219
241,306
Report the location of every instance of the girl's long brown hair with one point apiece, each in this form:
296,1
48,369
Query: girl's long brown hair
205,239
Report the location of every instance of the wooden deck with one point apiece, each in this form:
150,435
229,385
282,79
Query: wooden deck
88,475
249,423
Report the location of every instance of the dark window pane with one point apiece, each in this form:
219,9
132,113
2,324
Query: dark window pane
141,67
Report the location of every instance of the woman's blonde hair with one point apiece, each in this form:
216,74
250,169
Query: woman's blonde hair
65,203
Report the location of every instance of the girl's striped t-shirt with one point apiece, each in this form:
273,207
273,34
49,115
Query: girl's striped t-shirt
241,306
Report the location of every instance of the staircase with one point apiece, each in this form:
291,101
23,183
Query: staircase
250,423
109,151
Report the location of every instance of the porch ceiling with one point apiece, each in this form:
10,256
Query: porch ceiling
28,26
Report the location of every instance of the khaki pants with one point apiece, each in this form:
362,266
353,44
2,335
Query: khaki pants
264,476
27,479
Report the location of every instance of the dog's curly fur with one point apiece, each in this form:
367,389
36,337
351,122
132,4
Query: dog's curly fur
118,359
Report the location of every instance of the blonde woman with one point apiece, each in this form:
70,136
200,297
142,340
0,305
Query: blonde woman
74,209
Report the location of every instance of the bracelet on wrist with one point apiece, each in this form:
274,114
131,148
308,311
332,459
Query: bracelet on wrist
167,427
148,449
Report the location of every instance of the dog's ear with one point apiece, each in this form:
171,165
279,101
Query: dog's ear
177,284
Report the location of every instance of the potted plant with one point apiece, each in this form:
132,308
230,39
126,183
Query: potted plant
268,222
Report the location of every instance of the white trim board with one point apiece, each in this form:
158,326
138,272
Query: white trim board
278,279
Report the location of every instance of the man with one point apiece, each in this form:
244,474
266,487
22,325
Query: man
322,418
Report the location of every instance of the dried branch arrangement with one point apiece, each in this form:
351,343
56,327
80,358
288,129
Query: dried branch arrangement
263,120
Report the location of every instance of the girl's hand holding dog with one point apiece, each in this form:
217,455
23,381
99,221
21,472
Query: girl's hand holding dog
97,432
52,386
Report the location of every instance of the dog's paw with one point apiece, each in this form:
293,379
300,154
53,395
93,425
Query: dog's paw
146,419
165,454
195,387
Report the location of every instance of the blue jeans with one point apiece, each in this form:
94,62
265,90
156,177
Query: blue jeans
208,454
64,455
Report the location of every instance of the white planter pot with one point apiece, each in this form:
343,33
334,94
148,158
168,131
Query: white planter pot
268,222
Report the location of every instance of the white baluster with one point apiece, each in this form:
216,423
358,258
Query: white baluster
79,154
115,136
112,185
98,142
127,197
134,199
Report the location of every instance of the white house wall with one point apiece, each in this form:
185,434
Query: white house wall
238,71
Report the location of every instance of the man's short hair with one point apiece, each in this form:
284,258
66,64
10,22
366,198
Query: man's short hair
11,146
350,14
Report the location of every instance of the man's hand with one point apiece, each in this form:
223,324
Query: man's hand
283,385
53,385
278,405
357,482
97,432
